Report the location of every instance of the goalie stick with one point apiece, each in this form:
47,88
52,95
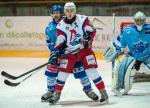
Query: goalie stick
9,83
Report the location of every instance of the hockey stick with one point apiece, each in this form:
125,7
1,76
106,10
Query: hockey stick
109,53
7,82
5,74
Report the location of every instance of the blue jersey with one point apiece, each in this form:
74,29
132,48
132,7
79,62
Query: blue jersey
138,42
50,32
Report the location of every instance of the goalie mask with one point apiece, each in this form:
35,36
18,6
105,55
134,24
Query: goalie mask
140,20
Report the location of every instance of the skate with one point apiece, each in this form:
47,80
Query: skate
92,95
104,97
55,97
46,96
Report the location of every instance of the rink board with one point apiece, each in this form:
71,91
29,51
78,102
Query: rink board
23,36
34,54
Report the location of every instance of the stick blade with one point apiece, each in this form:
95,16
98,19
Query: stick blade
10,83
5,74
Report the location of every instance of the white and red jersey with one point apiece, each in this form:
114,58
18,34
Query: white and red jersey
73,34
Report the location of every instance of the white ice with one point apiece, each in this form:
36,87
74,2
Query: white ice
28,93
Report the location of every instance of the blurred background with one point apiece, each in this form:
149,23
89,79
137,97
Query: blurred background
87,7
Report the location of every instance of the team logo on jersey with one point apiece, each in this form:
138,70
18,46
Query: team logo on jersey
76,40
140,46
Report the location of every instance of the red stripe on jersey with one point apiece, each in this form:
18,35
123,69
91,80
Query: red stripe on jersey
59,33
52,68
88,23
57,46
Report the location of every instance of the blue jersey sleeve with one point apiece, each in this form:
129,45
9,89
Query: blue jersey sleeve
50,32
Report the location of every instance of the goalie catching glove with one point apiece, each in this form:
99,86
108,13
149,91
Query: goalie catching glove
111,53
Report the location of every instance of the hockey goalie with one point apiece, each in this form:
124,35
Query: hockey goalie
128,53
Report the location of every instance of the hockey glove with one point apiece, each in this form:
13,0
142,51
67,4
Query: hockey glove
87,42
54,58
137,65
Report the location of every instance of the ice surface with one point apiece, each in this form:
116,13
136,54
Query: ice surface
28,93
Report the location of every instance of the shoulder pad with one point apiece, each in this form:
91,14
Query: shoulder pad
128,29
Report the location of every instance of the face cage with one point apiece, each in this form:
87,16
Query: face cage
139,22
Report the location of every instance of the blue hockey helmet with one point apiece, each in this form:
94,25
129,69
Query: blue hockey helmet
56,8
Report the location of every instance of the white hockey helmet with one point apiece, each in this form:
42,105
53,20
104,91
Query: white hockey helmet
140,19
140,15
70,6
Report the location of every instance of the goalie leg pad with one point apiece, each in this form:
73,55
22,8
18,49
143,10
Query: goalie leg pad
128,78
123,74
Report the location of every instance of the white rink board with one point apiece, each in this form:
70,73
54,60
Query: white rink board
27,33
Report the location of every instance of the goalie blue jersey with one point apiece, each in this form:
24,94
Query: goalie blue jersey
138,42
50,32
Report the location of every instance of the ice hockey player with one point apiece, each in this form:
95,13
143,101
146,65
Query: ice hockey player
51,70
73,32
135,47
